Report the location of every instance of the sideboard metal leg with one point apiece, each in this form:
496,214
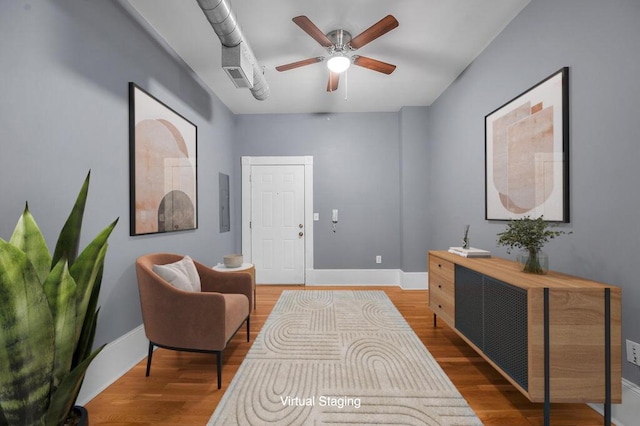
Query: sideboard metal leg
547,367
607,356
435,321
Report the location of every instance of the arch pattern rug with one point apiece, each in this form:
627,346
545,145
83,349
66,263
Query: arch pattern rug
340,357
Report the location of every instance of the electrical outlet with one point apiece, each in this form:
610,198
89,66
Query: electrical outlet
378,259
633,352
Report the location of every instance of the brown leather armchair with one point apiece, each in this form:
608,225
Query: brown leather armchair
192,321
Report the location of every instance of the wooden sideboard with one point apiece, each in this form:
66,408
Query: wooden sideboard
555,337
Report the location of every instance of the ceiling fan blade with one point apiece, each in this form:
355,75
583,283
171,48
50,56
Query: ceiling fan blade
334,79
378,29
311,29
373,64
299,64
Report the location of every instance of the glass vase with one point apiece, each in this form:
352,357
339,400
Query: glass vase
533,262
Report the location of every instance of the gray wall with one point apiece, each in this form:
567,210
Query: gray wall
64,110
356,170
414,183
599,42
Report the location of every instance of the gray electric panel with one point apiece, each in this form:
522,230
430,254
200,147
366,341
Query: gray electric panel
223,191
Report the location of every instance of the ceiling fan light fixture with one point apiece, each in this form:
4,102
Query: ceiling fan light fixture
338,63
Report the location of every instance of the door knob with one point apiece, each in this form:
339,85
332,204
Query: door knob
301,226
300,234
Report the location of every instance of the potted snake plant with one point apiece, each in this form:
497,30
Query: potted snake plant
48,317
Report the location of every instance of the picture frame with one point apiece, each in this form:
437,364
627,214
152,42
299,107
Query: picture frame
162,166
527,153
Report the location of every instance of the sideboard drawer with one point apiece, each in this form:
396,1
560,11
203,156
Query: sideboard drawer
442,269
443,306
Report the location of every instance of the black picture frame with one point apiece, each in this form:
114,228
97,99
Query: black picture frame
527,153
163,162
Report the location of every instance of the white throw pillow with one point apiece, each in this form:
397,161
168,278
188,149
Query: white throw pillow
182,274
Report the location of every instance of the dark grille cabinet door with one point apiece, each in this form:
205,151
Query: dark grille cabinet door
469,304
505,328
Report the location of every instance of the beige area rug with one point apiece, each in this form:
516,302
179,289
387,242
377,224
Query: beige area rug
340,357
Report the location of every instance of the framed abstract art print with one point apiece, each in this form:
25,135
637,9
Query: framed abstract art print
527,154
162,166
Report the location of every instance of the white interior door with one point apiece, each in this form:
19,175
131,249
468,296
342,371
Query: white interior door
278,223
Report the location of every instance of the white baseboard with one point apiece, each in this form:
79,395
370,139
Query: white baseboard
114,361
628,412
367,277
414,280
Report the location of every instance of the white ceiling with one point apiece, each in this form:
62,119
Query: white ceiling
435,41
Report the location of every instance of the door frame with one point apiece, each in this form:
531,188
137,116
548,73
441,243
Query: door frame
307,162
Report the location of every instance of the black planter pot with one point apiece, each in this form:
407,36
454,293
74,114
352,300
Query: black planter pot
78,417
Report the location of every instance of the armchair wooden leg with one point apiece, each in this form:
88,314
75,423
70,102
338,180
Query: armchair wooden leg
248,327
219,361
149,358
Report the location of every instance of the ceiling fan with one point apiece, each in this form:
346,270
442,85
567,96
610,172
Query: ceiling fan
338,44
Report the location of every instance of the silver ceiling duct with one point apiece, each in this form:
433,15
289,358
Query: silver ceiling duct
223,21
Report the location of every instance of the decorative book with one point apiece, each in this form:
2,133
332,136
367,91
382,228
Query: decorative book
470,252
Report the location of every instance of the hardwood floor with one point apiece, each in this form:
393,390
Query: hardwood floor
182,390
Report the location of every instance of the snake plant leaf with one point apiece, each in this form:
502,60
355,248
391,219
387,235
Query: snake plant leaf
85,271
28,238
83,349
60,288
69,238
61,405
26,351
85,342
3,419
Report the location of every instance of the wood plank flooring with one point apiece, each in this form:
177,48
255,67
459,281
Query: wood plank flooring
182,387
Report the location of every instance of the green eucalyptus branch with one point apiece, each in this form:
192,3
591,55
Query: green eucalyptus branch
527,234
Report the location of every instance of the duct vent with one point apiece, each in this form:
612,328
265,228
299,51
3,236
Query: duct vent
238,66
